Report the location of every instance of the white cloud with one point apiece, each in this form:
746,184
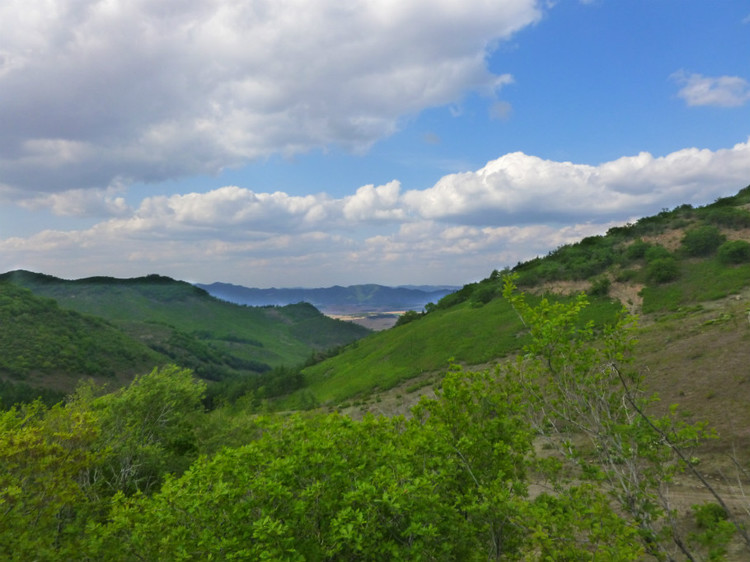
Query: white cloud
721,91
98,203
514,208
520,188
232,208
374,203
98,92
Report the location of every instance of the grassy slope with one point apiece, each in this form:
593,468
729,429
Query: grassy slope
467,333
710,363
383,359
697,357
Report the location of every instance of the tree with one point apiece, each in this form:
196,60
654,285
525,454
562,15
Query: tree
43,454
590,406
446,485
408,316
663,270
147,430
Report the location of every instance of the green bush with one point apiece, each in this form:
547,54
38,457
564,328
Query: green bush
714,530
484,294
600,287
408,316
730,217
702,241
656,252
734,251
637,250
663,270
626,275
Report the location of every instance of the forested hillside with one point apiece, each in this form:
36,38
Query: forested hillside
48,349
110,329
485,469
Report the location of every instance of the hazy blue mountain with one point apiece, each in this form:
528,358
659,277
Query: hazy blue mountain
355,298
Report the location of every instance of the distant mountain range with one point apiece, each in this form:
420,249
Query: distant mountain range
336,299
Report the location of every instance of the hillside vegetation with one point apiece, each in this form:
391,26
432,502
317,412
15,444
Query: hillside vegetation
44,345
543,441
659,267
112,328
550,456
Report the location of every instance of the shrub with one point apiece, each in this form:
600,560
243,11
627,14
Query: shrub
730,217
484,294
408,316
734,251
626,275
458,297
714,530
663,270
600,287
637,249
656,252
702,241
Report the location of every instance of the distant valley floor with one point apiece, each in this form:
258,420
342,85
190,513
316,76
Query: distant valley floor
376,321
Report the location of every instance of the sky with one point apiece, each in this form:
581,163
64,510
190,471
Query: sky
310,143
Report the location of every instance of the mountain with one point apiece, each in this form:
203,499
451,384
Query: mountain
117,327
334,300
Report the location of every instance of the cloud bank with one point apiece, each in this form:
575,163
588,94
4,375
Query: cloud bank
97,94
514,208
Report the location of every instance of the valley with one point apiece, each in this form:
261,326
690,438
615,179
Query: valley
517,396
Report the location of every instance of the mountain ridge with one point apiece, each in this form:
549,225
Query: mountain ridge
336,299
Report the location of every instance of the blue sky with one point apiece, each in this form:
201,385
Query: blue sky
312,143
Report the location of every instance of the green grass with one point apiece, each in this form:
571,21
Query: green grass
700,280
464,333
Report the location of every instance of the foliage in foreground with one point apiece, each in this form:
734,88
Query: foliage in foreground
589,406
450,483
119,477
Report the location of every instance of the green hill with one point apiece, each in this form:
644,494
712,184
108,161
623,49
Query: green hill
44,346
151,320
466,332
684,267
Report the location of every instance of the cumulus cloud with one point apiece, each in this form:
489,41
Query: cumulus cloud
231,209
514,208
721,91
521,188
122,91
375,203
